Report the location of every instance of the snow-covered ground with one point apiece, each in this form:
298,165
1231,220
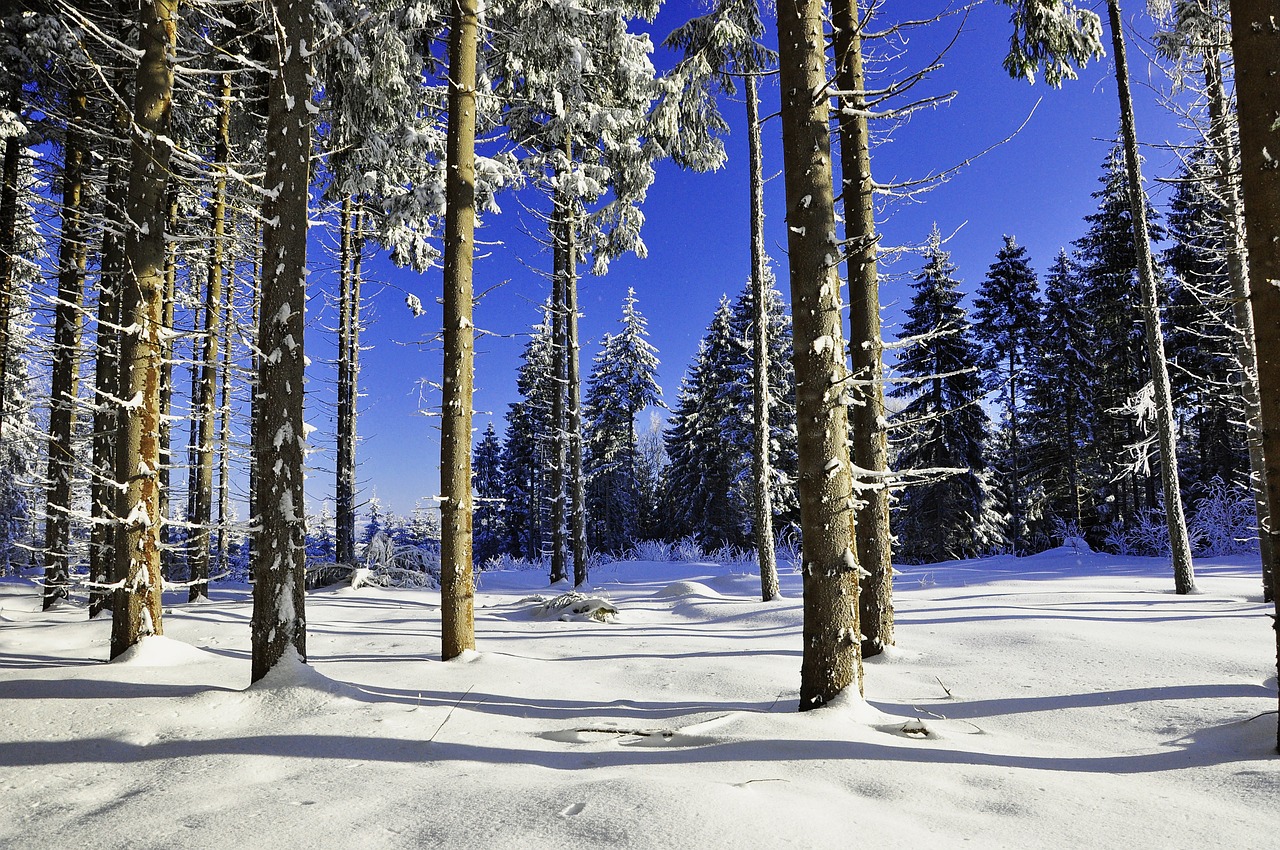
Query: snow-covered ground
1054,701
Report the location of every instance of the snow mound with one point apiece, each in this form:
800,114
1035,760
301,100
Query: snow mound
160,651
686,588
576,607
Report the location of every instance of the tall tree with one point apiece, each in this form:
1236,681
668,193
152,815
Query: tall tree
457,589
1255,39
1006,316
279,550
489,531
832,657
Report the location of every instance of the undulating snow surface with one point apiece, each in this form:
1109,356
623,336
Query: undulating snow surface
1054,701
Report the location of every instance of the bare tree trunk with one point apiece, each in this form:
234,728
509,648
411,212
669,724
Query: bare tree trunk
1228,178
345,489
66,346
205,406
870,440
1255,39
1180,546
224,425
762,506
166,381
457,586
279,552
8,243
136,608
832,659
577,486
559,446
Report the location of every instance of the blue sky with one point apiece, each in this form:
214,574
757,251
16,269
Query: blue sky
1036,187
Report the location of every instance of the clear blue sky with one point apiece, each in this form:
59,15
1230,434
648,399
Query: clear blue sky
1036,187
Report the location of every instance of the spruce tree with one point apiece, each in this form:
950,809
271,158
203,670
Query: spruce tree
487,469
943,428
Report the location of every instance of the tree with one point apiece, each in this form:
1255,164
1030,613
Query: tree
947,515
832,654
457,589
527,446
1255,42
489,531
1006,317
279,550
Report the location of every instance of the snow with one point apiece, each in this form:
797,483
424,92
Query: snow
1069,698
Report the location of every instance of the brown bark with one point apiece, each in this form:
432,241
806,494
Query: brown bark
136,611
344,492
1149,307
867,425
1255,39
457,585
576,483
831,653
279,552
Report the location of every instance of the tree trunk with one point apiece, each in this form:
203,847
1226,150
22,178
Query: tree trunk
559,447
206,398
1180,546
166,381
344,491
224,427
280,547
832,659
136,608
1255,40
870,440
762,505
577,486
8,241
1228,180
66,345
457,586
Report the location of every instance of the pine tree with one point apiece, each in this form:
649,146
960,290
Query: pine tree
526,450
944,428
623,383
1006,318
487,467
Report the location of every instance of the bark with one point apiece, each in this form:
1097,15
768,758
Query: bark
8,240
867,425
559,447
831,653
345,490
66,347
166,380
762,505
279,552
136,608
457,585
577,485
1180,546
1228,180
205,399
224,429
1255,40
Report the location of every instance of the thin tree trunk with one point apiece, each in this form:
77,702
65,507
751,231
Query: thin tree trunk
224,426
870,440
66,346
136,611
576,488
205,401
559,447
1180,546
1228,180
8,243
1255,40
762,505
345,495
280,548
831,652
457,586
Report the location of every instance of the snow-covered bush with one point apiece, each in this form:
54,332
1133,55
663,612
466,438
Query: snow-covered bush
573,606
650,550
389,564
788,548
687,551
1149,536
1224,521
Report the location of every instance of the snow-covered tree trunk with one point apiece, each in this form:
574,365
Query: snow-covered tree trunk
766,556
867,425
576,483
1179,544
348,355
1255,40
224,428
279,551
1228,180
205,402
169,299
832,652
72,253
457,585
136,607
13,148
559,444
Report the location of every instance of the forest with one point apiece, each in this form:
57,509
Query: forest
169,168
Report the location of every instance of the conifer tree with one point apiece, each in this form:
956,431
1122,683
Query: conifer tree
487,468
943,427
1006,317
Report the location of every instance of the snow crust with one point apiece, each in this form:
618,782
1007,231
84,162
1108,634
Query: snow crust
1066,699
